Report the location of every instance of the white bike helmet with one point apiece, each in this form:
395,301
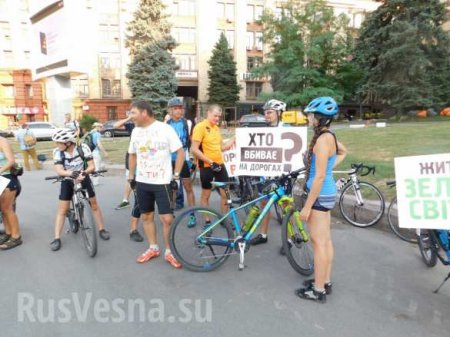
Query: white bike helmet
64,136
275,104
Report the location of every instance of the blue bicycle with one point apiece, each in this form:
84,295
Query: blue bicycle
208,244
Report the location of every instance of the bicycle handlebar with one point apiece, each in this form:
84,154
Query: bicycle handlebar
60,178
360,167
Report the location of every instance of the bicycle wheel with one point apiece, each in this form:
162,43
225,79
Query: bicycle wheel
297,243
361,213
88,227
278,213
199,252
406,234
427,246
73,223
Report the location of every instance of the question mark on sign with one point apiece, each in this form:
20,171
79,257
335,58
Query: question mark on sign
289,153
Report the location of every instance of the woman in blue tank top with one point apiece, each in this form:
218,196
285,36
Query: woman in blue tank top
324,153
11,238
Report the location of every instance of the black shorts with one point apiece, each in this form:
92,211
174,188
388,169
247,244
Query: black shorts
135,212
148,194
66,193
185,172
207,176
13,184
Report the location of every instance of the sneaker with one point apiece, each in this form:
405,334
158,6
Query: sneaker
148,255
172,260
192,221
123,204
310,284
257,240
312,294
55,245
136,236
104,234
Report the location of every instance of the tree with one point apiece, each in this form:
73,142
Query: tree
151,74
309,53
405,55
149,25
223,88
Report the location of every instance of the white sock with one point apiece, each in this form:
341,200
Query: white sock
167,251
264,235
155,247
124,200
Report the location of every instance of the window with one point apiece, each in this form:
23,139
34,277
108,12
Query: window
8,91
116,88
253,62
109,12
110,61
250,40
258,40
225,10
111,88
186,62
109,38
358,19
29,90
184,35
27,57
80,86
253,89
258,12
9,58
112,112
184,7
250,14
5,34
106,87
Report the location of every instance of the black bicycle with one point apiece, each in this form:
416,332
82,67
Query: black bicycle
80,214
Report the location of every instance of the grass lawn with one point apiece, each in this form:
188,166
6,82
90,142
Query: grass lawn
371,145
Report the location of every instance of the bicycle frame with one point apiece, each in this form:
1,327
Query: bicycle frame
273,197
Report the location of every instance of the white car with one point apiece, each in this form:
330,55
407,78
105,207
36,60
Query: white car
42,130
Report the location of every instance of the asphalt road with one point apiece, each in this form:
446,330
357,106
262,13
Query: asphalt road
381,286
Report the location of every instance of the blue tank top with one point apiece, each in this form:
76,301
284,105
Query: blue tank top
329,185
3,162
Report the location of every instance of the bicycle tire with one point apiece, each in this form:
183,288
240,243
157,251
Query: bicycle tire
298,252
278,213
88,227
427,246
73,223
406,234
371,211
181,235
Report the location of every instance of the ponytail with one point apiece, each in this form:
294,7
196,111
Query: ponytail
317,133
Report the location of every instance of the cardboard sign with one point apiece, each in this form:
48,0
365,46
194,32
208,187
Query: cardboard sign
270,152
423,191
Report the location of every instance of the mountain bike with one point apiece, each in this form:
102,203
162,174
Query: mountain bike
360,203
80,214
432,248
406,234
208,245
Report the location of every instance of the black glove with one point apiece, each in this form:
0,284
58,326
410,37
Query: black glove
174,185
132,183
75,174
216,167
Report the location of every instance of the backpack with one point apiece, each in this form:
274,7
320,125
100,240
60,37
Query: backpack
186,130
89,141
80,154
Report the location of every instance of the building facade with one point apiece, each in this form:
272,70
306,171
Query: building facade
82,63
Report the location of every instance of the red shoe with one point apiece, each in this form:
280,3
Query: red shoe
148,255
172,260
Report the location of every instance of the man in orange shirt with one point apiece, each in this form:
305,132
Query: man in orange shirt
207,147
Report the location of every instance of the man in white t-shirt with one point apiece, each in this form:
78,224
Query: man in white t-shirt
151,146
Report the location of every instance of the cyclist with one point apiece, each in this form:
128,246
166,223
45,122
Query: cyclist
77,163
324,153
273,110
150,172
182,127
207,147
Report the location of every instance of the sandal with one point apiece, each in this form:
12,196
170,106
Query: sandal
4,237
11,243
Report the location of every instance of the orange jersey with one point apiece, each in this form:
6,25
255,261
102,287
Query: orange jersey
210,139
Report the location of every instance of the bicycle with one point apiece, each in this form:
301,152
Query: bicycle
360,203
430,246
406,234
80,214
208,245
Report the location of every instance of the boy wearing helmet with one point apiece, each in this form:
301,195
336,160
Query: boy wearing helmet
273,110
324,153
69,162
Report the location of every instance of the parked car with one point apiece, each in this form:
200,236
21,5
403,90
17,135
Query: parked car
252,120
6,133
110,131
41,130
